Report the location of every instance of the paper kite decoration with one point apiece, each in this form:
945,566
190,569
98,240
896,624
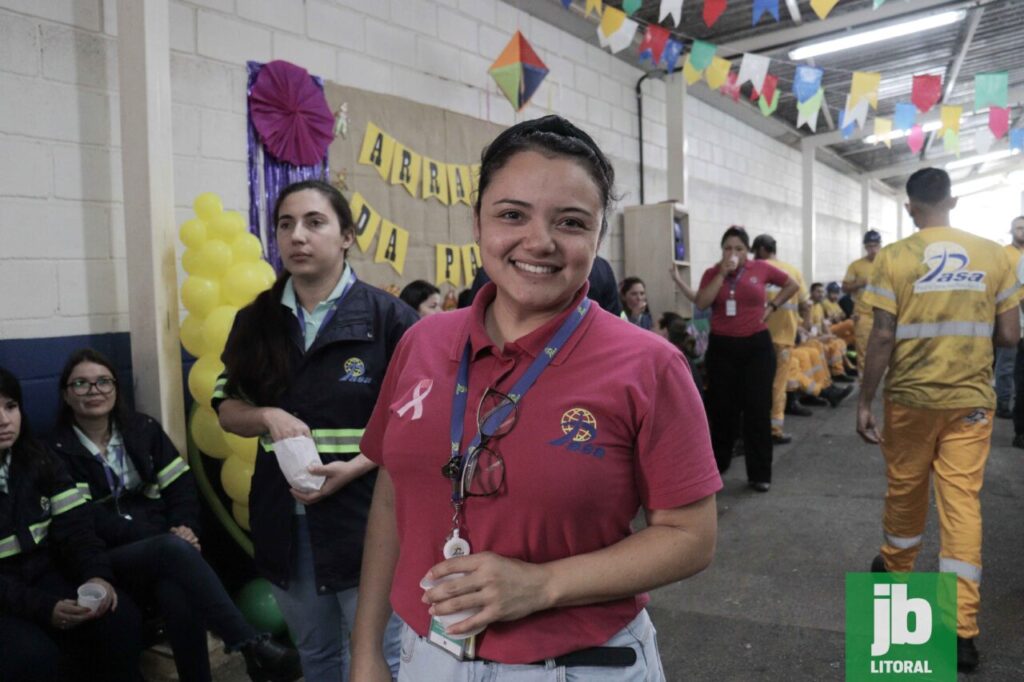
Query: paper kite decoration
290,114
518,71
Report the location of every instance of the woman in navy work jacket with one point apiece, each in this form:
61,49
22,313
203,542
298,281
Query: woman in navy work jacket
307,358
148,512
46,540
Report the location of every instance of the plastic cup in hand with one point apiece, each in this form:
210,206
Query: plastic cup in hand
453,618
91,595
734,260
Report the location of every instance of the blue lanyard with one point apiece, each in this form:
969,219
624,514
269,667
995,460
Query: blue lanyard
533,372
112,482
735,280
327,319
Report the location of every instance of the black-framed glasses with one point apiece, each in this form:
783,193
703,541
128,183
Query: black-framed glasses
103,385
496,414
482,473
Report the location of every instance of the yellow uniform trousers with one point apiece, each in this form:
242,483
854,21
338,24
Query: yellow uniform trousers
782,363
954,444
844,330
835,353
808,370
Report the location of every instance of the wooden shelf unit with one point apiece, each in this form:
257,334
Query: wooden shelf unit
649,236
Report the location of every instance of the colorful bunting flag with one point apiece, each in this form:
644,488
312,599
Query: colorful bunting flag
717,74
991,89
631,6
378,148
673,8
593,6
712,11
927,90
1017,139
470,262
823,7
611,21
848,124
883,130
460,184
865,86
732,86
366,221
762,6
854,115
435,180
878,3
999,121
983,140
754,68
691,74
915,140
616,31
768,88
567,3
767,108
673,49
806,82
951,142
808,110
449,264
392,246
653,44
405,168
518,71
950,116
905,116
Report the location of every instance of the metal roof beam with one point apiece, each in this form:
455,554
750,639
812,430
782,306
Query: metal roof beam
953,73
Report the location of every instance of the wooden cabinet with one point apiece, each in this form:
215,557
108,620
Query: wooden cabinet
657,237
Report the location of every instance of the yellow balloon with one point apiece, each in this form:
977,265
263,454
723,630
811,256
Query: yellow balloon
190,260
203,377
227,226
267,272
200,295
214,259
192,335
247,248
207,434
208,206
217,326
192,233
243,448
236,477
244,281
241,514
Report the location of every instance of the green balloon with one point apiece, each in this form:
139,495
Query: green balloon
257,604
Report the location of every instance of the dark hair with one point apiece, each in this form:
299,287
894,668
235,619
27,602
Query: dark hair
551,136
929,186
418,291
739,232
1020,217
27,454
65,415
667,318
766,242
872,237
815,285
627,284
256,353
679,336
833,286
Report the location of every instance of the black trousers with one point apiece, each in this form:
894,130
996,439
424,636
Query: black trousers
740,374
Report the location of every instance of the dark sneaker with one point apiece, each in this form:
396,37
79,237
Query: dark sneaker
760,486
842,379
794,408
966,654
1004,412
1018,441
814,400
835,395
878,565
781,438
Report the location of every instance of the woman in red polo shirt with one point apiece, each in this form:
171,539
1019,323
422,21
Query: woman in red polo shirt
514,515
740,359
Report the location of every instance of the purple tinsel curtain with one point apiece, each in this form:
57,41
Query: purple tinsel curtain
276,176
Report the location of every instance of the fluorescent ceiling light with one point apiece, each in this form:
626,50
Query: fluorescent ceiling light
877,35
897,134
980,158
961,189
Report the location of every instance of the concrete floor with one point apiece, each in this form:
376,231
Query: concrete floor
771,605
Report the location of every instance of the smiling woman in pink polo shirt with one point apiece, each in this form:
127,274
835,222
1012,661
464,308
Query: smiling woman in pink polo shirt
512,518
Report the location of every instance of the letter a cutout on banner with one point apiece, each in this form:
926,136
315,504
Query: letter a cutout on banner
449,264
392,246
366,221
460,186
377,150
470,262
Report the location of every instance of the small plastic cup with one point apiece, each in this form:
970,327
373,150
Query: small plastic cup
90,595
453,618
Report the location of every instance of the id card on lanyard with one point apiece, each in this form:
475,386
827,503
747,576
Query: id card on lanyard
730,303
117,483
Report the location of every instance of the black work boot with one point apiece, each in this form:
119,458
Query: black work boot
835,395
794,408
966,654
268,661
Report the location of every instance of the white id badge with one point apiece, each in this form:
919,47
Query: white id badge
730,307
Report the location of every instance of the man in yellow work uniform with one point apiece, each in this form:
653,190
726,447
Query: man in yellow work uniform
940,298
853,284
782,326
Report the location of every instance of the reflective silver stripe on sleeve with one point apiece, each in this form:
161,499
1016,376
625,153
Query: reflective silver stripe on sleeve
39,530
333,441
902,543
218,387
66,501
961,568
1003,295
884,293
170,473
789,306
930,330
84,489
9,546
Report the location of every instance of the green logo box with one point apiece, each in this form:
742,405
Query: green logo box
900,626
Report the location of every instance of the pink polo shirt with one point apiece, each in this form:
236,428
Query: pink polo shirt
568,490
749,295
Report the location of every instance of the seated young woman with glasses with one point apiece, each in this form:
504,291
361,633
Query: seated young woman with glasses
147,512
517,439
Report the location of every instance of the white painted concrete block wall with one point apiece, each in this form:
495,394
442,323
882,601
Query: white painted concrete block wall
60,183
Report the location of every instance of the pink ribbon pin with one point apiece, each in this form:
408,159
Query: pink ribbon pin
419,393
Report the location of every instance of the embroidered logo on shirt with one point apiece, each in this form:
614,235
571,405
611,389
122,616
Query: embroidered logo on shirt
579,429
44,504
354,371
947,270
419,393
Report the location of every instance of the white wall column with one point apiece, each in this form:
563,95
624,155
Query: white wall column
147,162
675,122
809,218
901,218
865,205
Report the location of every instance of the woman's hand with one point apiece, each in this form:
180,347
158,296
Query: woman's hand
186,534
68,614
504,589
281,425
338,475
768,310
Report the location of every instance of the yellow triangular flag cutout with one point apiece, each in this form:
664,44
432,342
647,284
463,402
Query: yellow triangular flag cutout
717,73
883,126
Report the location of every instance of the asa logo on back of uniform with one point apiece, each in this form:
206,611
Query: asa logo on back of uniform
579,429
354,371
948,270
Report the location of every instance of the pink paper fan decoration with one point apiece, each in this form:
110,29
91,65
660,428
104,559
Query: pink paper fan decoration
290,114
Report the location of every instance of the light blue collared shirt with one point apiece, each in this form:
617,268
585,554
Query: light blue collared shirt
315,319
119,463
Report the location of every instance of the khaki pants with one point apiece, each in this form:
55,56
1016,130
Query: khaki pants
782,362
954,445
808,371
